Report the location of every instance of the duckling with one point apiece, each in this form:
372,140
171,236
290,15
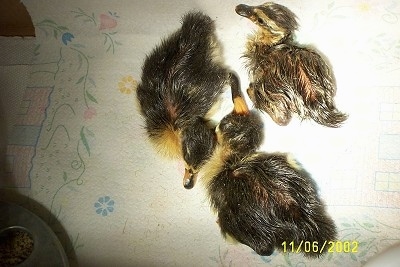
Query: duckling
182,80
262,199
285,77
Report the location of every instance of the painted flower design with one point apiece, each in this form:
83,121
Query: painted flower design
127,85
364,7
67,37
104,206
89,113
108,21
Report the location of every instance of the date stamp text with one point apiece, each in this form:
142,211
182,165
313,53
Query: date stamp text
316,247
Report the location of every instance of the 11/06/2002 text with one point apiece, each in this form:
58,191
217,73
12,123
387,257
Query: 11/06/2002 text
314,247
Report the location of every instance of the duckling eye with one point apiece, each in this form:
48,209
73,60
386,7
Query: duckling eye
260,20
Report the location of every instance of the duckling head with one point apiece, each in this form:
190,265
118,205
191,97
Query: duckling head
198,143
241,133
276,22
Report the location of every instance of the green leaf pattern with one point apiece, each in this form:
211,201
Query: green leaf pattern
75,59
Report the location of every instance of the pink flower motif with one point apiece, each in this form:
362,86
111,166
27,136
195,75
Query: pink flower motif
89,113
107,22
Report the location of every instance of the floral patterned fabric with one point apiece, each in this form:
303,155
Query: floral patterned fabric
79,157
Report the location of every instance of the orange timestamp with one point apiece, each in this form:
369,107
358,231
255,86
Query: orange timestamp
317,247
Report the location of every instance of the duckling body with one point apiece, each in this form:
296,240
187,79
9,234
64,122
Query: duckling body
182,79
287,78
263,199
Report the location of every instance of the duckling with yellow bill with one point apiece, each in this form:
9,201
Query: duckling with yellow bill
286,78
181,83
262,199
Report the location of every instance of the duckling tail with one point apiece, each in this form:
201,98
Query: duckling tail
328,116
196,28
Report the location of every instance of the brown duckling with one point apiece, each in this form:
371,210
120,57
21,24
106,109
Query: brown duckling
286,78
182,80
262,199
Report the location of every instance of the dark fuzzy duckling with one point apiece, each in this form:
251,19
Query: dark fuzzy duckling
263,199
181,81
286,78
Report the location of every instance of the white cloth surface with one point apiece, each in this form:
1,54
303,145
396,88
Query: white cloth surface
79,149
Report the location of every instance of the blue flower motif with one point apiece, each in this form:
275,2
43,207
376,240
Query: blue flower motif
67,37
104,205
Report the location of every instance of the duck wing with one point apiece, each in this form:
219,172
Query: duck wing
294,71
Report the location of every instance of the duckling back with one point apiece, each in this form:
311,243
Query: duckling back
293,80
182,79
266,199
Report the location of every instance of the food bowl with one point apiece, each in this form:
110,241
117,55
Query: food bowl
26,240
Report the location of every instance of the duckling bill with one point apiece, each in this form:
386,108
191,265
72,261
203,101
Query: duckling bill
287,78
262,199
182,80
